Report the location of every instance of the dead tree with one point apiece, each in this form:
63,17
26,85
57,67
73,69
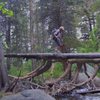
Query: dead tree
70,59
67,57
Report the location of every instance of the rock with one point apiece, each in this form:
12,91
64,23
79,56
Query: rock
82,77
90,70
34,94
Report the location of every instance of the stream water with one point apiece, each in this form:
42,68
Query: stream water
80,97
75,96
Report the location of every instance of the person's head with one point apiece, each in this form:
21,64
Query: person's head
61,28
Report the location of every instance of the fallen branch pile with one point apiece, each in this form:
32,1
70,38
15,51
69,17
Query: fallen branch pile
68,60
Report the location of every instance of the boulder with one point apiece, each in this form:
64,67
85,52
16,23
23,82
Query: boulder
82,77
34,94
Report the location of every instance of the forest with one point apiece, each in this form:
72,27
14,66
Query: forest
49,45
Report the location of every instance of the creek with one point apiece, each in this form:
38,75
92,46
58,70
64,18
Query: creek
80,97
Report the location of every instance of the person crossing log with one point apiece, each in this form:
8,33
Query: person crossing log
58,37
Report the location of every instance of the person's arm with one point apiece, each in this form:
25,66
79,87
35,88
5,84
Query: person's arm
57,32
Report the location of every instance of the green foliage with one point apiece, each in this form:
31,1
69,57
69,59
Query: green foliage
4,10
25,68
1,95
5,45
92,44
71,42
58,70
98,74
74,67
1,34
96,6
8,12
98,21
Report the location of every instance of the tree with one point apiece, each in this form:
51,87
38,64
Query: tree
19,41
91,19
4,81
3,70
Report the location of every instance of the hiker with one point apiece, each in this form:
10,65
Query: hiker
58,37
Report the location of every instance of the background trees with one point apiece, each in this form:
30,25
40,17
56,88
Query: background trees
33,21
4,81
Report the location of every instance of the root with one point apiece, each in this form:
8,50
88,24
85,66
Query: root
91,78
63,75
37,71
70,86
79,65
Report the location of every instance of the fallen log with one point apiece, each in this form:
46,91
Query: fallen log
91,60
69,59
54,55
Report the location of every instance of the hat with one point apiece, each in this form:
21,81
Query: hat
61,28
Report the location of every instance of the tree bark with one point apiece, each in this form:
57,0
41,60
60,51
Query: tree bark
8,41
3,70
58,56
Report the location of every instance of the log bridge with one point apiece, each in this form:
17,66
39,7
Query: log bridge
67,59
54,55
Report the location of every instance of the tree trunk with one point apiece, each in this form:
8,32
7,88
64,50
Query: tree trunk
8,41
3,70
72,57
